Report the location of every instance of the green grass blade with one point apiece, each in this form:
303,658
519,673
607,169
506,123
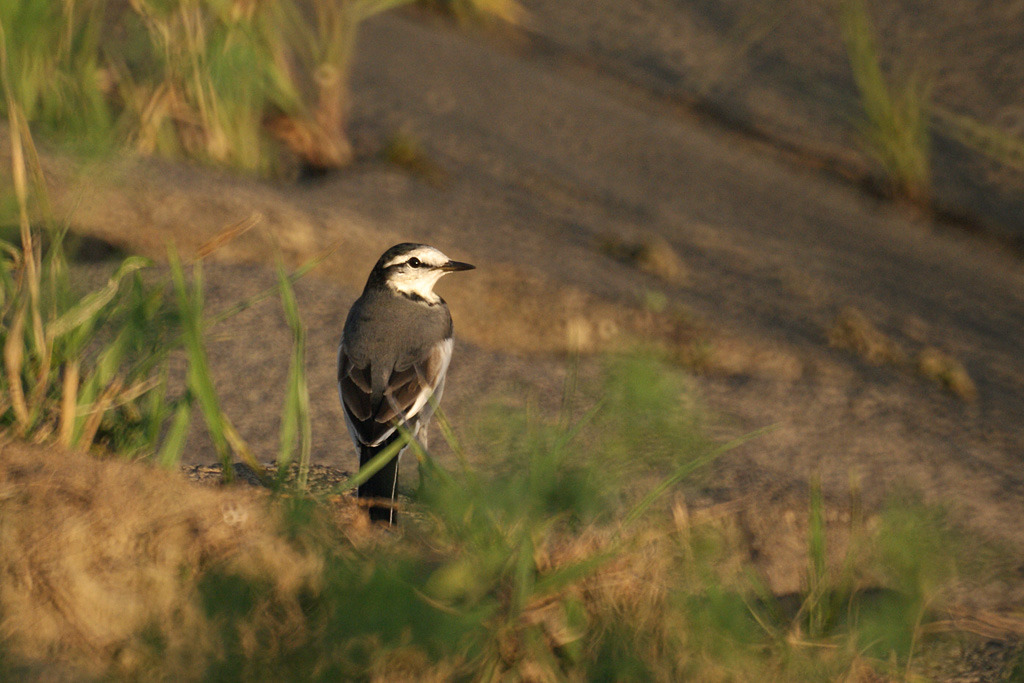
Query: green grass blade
555,581
157,410
89,308
376,463
288,431
107,367
200,380
524,573
295,422
448,434
1001,145
174,442
684,471
817,579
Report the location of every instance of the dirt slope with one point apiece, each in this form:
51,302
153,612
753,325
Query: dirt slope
545,169
780,69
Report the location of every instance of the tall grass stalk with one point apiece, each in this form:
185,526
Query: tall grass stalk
295,421
269,292
225,437
373,466
815,604
895,125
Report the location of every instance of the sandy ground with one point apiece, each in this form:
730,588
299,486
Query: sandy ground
548,155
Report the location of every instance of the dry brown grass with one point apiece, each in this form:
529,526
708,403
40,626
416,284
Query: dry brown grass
92,553
735,356
943,368
853,330
634,582
651,254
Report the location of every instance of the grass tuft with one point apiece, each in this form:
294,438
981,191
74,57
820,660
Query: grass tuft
948,372
895,125
854,331
653,255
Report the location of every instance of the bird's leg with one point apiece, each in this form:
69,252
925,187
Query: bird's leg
382,488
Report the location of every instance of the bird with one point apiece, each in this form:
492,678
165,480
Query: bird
392,361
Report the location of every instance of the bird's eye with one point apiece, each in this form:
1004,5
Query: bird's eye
414,262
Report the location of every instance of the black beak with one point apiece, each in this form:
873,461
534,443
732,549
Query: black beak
452,266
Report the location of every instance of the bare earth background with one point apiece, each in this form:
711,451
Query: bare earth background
555,152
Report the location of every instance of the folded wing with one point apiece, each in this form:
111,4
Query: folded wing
373,413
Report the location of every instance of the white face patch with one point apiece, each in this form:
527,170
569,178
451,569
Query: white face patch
407,278
417,284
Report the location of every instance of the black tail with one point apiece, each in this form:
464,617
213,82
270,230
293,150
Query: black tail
382,486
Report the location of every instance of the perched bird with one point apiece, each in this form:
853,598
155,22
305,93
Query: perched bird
392,359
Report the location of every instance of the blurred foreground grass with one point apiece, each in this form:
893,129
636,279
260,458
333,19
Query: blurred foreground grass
535,568
497,579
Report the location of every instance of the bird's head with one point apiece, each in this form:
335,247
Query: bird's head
414,269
